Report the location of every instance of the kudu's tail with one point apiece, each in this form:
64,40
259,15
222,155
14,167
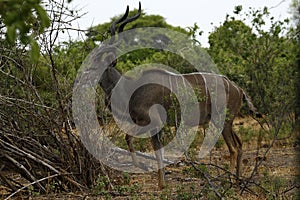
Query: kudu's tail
252,109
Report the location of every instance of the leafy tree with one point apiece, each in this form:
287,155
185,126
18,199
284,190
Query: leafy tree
229,47
258,59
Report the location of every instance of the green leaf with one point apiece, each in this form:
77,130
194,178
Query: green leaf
42,14
10,17
35,51
11,34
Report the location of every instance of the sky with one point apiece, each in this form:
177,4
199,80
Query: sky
206,13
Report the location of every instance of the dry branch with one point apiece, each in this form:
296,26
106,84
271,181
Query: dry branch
24,170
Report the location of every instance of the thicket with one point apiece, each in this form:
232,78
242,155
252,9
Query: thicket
37,135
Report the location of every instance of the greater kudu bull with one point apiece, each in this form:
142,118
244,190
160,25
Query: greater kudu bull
150,94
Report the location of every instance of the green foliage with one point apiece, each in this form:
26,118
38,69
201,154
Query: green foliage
296,17
181,192
101,186
274,186
196,171
24,19
247,133
70,55
20,17
258,59
187,194
35,51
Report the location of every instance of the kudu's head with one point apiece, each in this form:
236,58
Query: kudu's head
108,55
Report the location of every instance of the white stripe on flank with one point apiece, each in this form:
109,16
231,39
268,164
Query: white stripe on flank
227,96
206,93
183,80
170,82
193,73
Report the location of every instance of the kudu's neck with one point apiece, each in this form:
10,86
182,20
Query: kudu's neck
109,80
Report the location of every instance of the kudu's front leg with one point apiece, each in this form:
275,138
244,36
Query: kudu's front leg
129,141
158,148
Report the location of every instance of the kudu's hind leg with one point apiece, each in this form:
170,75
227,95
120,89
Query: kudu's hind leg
234,145
239,155
158,148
